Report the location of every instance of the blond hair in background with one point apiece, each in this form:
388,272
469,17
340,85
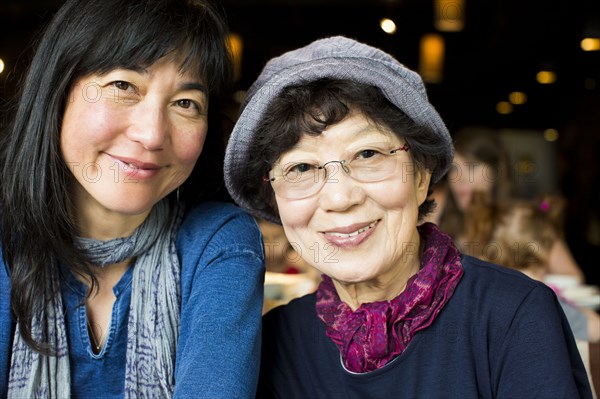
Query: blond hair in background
520,234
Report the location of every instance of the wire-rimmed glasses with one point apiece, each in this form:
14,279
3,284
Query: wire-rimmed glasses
301,179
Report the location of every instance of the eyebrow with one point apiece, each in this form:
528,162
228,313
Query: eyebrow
368,130
194,86
185,86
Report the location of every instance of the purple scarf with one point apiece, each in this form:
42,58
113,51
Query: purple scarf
377,332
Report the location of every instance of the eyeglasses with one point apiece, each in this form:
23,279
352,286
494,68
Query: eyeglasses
301,179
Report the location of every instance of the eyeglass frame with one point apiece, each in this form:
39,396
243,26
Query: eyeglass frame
266,179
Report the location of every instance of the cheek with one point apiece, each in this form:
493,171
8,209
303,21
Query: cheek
86,124
72,137
395,195
188,146
295,216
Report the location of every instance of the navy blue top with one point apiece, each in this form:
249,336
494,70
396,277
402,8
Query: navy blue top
501,335
222,273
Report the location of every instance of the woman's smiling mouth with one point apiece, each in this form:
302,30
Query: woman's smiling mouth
135,169
350,236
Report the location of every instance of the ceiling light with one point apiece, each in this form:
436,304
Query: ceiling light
517,98
546,77
449,15
551,135
590,44
504,107
236,44
388,26
431,58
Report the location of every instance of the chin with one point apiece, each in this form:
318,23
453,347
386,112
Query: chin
129,208
350,278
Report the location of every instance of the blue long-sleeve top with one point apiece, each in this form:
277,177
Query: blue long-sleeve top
218,352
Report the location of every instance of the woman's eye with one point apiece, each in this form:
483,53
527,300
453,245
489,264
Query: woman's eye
121,85
364,154
298,168
122,92
186,104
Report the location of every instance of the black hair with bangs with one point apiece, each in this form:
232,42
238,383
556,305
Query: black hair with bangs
85,37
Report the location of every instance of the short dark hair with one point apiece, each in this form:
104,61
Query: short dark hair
310,108
84,37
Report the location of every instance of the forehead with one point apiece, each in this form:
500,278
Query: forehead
179,62
354,130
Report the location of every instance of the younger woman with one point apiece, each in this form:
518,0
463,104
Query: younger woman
115,281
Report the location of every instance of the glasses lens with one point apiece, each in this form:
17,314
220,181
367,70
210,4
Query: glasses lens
302,179
374,166
298,181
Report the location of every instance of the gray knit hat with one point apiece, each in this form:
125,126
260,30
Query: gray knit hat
338,58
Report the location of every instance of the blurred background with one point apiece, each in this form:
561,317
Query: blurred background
527,70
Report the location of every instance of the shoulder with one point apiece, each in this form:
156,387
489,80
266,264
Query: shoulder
295,316
219,243
300,305
216,231
490,275
501,291
215,214
210,220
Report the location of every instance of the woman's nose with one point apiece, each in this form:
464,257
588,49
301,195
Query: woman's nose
340,192
149,126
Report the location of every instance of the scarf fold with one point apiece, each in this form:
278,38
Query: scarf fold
376,333
152,327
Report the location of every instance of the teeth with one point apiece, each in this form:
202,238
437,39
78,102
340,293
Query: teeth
354,233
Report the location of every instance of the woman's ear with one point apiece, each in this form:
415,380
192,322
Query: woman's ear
422,180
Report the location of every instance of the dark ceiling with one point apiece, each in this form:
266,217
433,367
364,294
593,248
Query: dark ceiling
503,45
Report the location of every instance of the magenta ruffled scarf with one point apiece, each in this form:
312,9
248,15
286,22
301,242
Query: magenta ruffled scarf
376,333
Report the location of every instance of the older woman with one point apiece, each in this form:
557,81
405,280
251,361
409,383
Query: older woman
338,142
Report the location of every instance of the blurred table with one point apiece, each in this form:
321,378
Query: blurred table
280,288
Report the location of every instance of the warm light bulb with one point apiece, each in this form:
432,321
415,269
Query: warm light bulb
590,44
504,107
546,77
388,26
1,65
551,135
236,44
449,15
431,57
517,98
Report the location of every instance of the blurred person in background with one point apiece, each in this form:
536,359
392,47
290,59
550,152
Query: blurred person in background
481,166
520,235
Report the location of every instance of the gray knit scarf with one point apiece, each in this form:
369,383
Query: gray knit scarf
153,325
